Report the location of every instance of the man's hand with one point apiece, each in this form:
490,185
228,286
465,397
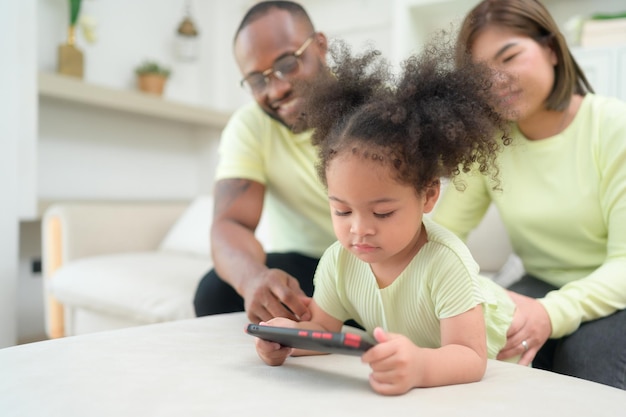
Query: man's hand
529,330
275,293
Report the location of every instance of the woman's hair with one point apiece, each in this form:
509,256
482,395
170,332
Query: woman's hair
532,19
435,120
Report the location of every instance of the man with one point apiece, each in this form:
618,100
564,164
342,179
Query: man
266,163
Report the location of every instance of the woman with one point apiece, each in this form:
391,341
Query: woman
562,194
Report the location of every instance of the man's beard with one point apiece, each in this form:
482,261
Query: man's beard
296,128
300,125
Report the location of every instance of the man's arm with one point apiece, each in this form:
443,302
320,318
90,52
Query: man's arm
240,259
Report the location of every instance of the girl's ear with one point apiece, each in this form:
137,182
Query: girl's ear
431,195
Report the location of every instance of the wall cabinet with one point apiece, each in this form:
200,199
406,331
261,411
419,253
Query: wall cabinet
415,20
605,68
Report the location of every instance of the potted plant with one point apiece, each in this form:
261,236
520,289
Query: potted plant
70,58
151,77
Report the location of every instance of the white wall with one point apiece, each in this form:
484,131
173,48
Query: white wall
87,153
90,153
225,85
360,23
17,113
8,170
127,33
154,160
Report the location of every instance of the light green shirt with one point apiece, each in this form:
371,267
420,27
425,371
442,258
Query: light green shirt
441,281
256,147
563,203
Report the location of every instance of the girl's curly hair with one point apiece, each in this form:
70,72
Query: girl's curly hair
435,120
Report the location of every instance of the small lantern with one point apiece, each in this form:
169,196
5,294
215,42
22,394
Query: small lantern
187,39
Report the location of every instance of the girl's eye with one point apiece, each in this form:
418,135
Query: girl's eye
341,213
383,215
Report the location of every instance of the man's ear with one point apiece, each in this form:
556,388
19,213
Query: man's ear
431,195
322,43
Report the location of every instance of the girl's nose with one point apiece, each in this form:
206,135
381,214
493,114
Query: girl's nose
360,227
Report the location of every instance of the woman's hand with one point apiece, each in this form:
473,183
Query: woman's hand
529,330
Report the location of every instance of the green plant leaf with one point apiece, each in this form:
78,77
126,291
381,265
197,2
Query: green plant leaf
152,67
608,16
74,11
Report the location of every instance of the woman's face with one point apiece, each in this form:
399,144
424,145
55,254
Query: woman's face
526,70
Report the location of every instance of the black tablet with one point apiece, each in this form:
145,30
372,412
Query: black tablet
331,342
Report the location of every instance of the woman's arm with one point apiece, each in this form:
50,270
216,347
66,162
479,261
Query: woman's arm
603,291
460,211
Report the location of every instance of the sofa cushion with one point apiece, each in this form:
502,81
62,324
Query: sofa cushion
146,286
190,233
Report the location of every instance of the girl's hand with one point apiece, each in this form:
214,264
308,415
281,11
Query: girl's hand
395,363
273,353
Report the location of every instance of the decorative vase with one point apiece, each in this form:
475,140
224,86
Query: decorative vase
70,58
151,83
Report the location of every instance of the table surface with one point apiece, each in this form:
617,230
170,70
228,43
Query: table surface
209,367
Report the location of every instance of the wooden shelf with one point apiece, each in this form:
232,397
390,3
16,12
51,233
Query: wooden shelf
71,89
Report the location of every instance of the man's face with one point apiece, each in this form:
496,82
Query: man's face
264,42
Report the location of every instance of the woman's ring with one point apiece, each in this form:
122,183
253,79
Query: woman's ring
525,345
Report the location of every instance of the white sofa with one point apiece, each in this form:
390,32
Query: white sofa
114,265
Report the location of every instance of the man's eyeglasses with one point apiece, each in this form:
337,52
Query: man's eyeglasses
282,68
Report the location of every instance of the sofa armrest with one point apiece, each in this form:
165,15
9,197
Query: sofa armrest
81,229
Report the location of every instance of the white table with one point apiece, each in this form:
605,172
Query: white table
208,367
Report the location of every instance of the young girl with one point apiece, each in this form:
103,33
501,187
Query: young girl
406,280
